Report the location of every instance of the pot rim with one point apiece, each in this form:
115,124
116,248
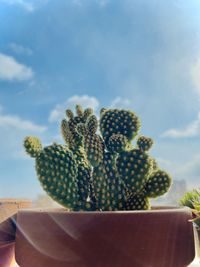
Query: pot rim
154,209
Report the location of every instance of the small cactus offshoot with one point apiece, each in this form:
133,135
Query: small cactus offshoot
99,169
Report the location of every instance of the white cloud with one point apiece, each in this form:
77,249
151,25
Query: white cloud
19,49
27,5
10,69
57,113
120,102
13,129
18,123
191,130
85,101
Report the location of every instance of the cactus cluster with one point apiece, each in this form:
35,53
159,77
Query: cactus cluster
99,169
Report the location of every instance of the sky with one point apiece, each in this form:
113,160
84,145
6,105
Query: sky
139,55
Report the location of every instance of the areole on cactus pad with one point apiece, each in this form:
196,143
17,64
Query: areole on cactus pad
99,170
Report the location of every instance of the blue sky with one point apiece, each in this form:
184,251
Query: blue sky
141,55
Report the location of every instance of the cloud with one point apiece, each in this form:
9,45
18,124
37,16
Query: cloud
16,122
13,129
11,70
19,49
191,130
27,5
1,108
85,101
120,102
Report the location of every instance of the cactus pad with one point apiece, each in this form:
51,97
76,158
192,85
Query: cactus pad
144,143
57,171
138,202
114,121
158,183
32,146
134,167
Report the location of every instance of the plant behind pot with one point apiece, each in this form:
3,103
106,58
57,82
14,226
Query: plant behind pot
99,171
192,200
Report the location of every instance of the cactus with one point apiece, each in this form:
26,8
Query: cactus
99,170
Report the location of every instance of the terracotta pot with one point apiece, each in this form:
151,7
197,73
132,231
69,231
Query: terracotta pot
57,238
8,209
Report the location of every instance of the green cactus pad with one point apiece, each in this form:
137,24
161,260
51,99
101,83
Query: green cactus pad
72,139
94,149
83,174
117,143
154,164
137,202
69,127
32,146
144,143
69,114
57,171
158,184
109,188
79,110
114,121
93,143
134,167
92,124
87,112
66,133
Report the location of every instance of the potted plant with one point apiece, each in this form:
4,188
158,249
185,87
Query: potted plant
105,183
192,200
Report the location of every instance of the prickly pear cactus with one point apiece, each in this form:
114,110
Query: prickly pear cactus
99,170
